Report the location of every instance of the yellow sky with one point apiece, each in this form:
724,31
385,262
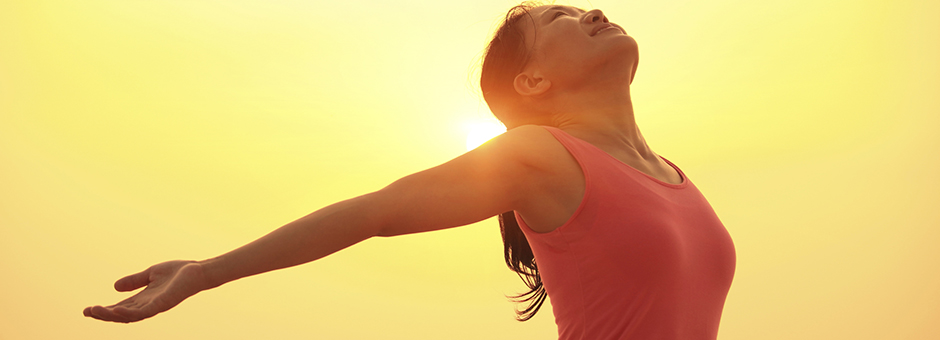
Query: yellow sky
134,132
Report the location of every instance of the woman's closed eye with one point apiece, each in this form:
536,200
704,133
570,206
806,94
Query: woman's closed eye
559,13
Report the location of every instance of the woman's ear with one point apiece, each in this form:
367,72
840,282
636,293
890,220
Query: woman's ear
530,84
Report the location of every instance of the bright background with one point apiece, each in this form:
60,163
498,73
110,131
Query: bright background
134,132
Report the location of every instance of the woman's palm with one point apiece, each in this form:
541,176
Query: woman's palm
167,284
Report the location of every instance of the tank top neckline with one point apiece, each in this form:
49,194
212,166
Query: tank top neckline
685,180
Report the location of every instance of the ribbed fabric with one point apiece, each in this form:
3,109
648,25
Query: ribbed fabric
639,259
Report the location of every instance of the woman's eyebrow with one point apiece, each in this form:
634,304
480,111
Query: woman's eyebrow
564,8
544,18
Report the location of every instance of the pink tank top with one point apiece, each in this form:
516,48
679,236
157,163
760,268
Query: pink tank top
639,259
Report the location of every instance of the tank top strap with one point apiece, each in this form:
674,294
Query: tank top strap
592,159
582,151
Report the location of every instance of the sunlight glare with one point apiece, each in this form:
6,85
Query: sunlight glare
480,132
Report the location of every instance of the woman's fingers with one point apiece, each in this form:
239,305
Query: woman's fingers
132,282
105,314
122,312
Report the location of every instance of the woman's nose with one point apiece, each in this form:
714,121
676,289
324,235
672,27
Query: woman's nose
594,16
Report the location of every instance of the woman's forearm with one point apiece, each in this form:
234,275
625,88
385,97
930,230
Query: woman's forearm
311,237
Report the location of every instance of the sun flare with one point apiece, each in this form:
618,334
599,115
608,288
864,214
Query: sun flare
480,132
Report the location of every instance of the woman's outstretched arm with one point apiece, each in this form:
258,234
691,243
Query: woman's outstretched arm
494,178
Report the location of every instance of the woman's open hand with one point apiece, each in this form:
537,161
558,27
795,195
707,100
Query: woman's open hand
168,284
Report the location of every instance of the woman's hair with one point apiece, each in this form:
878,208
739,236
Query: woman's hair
520,259
504,58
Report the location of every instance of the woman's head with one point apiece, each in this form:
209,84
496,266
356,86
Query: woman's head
541,53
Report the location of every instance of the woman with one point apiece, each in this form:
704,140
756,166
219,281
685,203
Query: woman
627,247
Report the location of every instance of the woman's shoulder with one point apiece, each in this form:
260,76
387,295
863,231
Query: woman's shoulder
536,148
558,182
524,132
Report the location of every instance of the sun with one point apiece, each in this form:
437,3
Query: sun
480,132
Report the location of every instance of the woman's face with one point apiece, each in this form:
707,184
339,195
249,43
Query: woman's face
572,46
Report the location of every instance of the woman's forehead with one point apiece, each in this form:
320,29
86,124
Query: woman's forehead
536,17
541,10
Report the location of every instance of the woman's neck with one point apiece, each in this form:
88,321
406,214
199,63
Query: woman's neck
602,118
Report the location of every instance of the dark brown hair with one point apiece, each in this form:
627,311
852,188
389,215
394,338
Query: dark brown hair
505,57
520,259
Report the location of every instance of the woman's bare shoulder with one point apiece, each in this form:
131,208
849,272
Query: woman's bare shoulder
534,146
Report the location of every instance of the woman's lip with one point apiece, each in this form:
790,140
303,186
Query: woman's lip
606,28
